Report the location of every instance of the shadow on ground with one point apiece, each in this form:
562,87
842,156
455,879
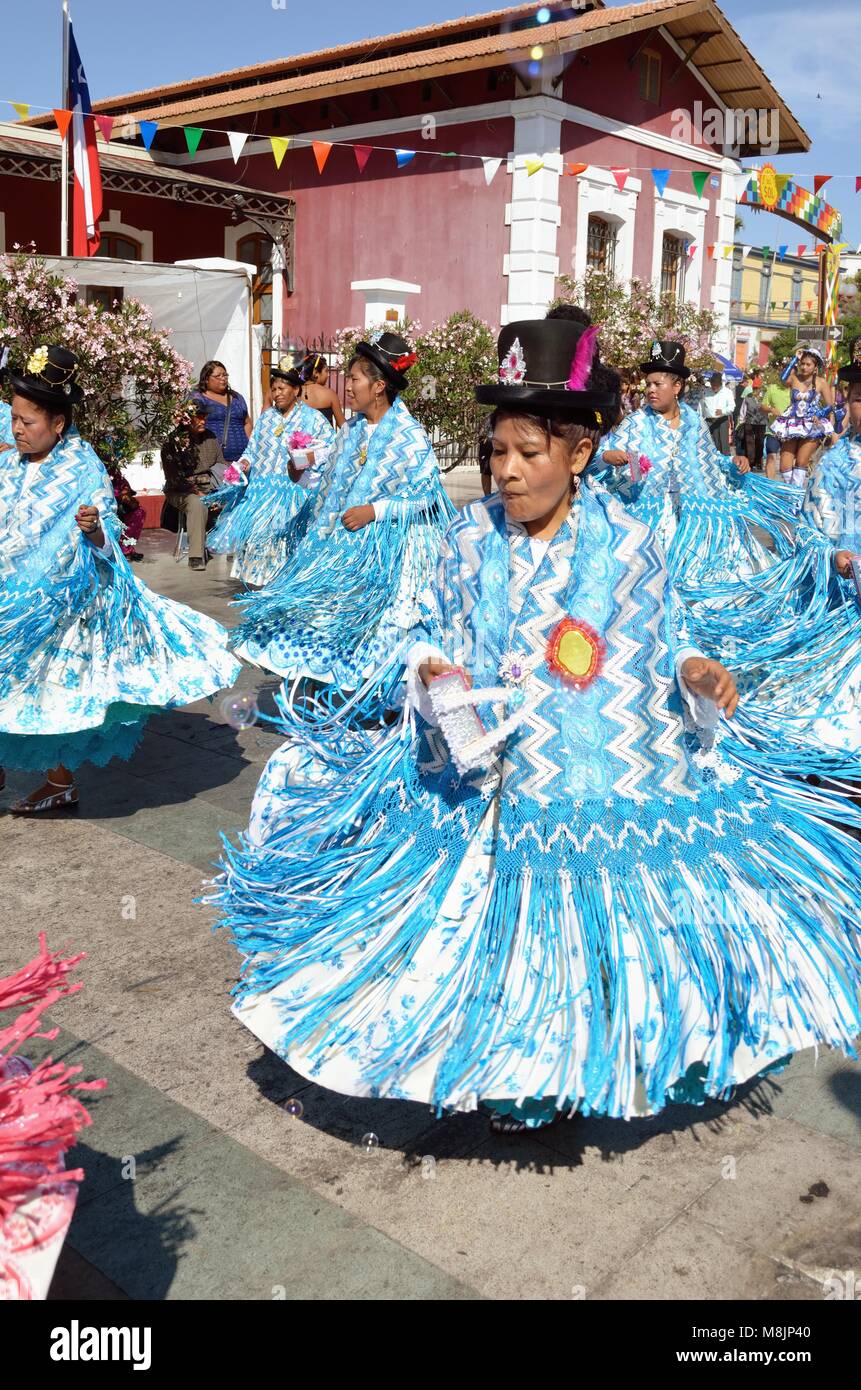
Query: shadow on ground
410,1128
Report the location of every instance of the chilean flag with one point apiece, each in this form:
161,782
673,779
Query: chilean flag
87,197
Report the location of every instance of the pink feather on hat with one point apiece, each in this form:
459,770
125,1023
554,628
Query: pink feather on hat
584,356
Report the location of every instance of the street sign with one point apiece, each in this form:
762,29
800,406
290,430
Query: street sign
819,333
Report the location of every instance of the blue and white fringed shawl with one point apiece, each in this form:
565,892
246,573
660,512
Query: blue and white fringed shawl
258,526
86,650
604,919
696,500
779,617
346,599
833,500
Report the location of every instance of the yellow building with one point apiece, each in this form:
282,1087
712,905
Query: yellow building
769,293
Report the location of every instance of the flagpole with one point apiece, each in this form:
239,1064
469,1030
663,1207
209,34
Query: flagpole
64,154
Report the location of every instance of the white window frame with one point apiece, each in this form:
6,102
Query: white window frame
114,223
598,195
682,215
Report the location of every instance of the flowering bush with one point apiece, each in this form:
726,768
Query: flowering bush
632,316
134,382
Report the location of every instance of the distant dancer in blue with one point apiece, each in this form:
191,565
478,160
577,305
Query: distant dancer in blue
347,597
584,906
87,652
226,411
833,501
257,524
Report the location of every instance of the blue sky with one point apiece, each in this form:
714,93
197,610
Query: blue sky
809,52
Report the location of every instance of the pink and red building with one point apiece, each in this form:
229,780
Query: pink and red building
606,87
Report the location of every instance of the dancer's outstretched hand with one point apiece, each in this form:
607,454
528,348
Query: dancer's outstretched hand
429,669
355,518
708,678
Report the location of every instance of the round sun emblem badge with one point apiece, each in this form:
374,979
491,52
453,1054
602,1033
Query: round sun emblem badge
768,189
575,653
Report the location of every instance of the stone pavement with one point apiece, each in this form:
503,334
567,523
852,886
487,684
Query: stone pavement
199,1184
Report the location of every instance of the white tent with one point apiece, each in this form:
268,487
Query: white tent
206,305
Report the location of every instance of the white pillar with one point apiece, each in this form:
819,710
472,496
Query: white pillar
534,213
722,288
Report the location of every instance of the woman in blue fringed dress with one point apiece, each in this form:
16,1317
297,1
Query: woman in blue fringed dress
87,652
257,525
581,903
372,527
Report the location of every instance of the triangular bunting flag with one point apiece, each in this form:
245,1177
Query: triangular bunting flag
106,125
533,165
710,251
766,251
728,250
237,140
621,177
193,136
21,109
280,145
661,177
858,183
781,252
741,182
148,130
691,249
490,167
819,181
363,154
62,118
575,169
782,180
322,149
745,252
810,303
698,178
404,157
801,248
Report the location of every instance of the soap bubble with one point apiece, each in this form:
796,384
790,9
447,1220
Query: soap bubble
370,1143
543,15
294,1107
240,711
428,1167
537,52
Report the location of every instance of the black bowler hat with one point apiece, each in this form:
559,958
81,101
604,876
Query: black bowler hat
285,369
544,367
48,378
851,370
392,354
666,356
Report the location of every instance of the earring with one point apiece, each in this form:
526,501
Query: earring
575,487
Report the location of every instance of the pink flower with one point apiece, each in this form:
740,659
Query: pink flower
300,439
232,474
645,465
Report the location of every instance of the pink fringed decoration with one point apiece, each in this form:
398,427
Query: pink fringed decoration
584,355
39,1115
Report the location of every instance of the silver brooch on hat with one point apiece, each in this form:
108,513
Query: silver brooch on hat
512,368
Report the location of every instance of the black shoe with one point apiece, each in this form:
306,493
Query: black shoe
197,563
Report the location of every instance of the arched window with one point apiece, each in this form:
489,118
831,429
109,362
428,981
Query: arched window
673,261
601,244
122,248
